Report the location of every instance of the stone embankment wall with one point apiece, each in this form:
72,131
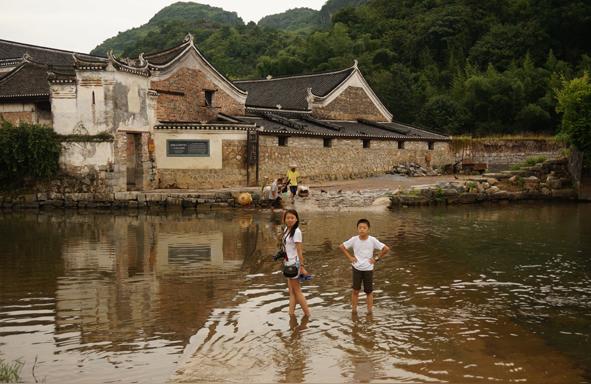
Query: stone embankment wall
344,158
544,181
500,154
119,200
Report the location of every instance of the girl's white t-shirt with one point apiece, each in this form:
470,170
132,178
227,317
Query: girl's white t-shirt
290,244
363,251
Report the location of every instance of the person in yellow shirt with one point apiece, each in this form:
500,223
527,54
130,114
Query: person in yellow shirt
292,181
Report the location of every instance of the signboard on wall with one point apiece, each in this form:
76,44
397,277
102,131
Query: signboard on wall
187,148
251,148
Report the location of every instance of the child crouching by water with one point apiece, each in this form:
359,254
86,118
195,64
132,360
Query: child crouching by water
292,241
363,261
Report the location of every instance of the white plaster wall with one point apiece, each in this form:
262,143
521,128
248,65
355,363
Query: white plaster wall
64,108
90,155
121,103
214,161
17,107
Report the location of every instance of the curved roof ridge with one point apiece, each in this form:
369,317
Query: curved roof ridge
297,76
184,44
10,74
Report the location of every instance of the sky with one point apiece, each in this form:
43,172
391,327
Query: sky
82,25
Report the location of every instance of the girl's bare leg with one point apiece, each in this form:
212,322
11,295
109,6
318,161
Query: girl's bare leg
292,297
299,296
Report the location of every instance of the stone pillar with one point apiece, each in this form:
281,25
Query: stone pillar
118,178
581,177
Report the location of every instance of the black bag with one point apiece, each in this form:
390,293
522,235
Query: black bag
290,270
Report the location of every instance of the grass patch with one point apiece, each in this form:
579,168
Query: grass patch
534,160
10,372
529,162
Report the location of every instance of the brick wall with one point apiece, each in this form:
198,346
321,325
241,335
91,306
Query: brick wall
351,104
181,98
345,159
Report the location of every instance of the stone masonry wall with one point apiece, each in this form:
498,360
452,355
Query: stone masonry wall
345,159
233,172
501,154
181,98
352,104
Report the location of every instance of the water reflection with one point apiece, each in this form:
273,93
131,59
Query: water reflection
469,294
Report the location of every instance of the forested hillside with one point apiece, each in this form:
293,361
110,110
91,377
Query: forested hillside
465,66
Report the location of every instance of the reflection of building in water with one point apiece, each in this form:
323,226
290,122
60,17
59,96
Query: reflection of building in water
130,279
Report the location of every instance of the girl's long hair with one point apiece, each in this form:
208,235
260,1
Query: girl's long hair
297,223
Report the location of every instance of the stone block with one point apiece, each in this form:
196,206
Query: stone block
104,197
566,193
125,196
154,197
56,196
464,198
188,203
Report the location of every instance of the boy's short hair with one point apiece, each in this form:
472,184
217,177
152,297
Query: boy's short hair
363,221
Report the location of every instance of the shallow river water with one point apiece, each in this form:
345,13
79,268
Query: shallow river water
472,294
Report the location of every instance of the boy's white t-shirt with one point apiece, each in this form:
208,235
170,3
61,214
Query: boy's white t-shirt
363,251
290,245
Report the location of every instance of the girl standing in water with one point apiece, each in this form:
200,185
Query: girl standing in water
292,241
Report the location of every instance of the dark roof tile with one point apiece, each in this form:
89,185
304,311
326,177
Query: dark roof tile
303,125
26,80
290,92
11,49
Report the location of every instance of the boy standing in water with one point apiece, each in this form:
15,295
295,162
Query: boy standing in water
363,261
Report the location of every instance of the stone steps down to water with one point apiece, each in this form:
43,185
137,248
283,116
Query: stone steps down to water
548,180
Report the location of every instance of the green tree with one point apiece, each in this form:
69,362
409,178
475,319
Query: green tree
443,113
574,102
27,152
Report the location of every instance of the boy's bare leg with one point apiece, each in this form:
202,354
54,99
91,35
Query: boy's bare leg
370,302
354,300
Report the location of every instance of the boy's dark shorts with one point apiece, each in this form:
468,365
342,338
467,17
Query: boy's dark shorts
293,189
366,277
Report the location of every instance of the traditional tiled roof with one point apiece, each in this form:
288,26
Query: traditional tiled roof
297,124
219,126
11,49
164,57
28,80
291,92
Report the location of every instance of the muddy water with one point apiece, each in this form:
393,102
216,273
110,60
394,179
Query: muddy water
469,294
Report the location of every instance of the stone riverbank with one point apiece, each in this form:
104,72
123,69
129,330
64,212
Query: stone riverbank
544,181
549,180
